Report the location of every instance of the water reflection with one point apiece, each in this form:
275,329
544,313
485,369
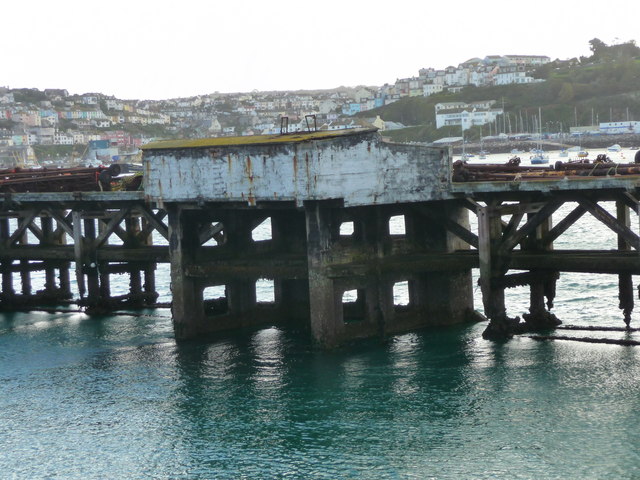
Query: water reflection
119,399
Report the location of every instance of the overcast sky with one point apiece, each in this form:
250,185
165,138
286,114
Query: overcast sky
138,49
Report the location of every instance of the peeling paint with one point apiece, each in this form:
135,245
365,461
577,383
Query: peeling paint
359,168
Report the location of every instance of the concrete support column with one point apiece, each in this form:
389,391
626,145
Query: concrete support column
241,301
327,326
289,235
371,233
292,299
442,297
187,309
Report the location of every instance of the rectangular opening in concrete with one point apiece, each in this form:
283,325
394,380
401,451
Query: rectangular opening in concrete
397,225
401,294
263,231
346,229
265,291
215,300
353,306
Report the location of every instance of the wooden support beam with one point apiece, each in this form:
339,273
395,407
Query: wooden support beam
489,232
64,222
452,226
630,200
37,231
155,222
625,281
23,225
7,277
563,225
610,221
78,249
532,223
109,228
210,231
513,224
520,208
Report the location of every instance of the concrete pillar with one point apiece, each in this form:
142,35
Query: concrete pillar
327,326
289,235
441,297
292,299
371,232
187,309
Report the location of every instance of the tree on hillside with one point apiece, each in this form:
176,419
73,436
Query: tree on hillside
605,53
597,46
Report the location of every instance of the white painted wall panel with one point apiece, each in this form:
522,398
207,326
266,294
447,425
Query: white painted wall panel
359,168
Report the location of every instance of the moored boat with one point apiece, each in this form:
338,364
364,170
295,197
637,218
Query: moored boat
539,158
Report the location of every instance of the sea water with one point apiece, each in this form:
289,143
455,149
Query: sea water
116,398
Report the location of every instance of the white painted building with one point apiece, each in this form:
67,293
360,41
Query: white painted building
450,106
61,138
511,75
613,128
431,88
466,118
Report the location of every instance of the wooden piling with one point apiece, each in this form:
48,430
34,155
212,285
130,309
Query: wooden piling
625,280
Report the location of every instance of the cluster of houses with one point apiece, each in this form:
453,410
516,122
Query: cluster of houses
54,117
491,70
58,118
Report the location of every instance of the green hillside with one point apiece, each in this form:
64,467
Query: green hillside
601,88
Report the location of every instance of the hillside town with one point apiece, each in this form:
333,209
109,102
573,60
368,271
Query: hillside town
109,127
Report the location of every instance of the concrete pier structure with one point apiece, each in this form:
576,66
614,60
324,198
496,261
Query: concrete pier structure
340,286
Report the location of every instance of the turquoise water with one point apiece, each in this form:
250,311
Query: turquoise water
116,398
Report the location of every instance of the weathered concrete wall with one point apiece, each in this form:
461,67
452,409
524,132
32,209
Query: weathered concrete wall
359,168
